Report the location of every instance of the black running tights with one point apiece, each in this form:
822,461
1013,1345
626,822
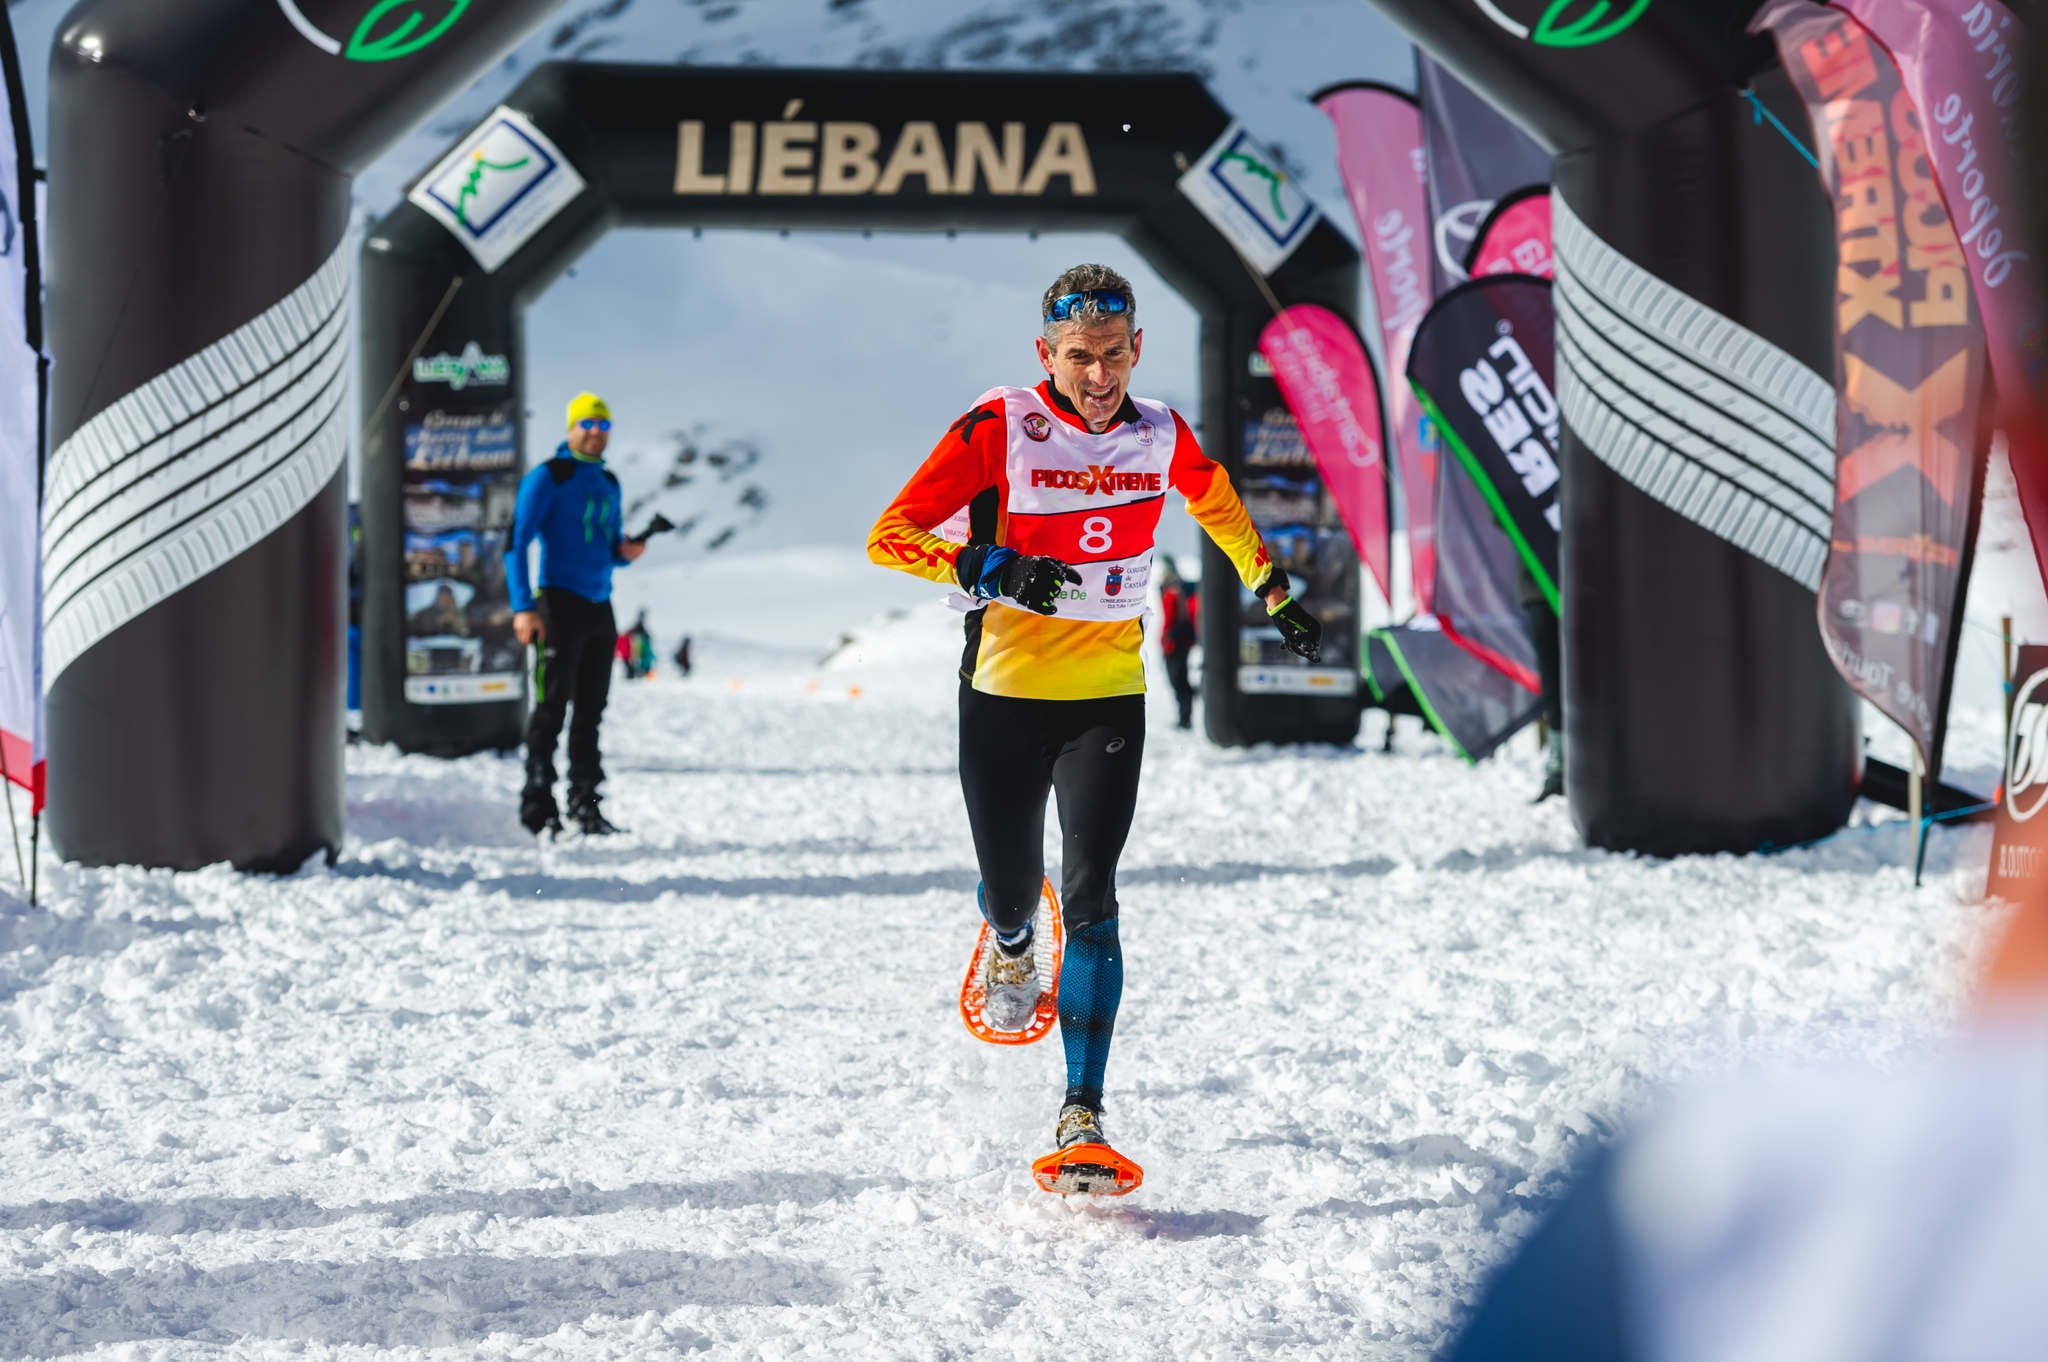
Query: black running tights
1012,753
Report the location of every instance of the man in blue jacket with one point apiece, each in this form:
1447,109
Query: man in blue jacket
571,504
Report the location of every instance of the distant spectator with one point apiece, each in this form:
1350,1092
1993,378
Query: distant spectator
636,649
1178,605
683,656
571,504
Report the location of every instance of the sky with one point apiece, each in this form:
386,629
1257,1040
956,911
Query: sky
844,358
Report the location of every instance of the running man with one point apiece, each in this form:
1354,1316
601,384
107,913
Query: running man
1063,485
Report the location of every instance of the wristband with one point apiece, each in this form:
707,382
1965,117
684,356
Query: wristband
1285,601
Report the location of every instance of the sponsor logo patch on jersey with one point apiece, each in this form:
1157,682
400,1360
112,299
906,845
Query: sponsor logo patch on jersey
1096,478
1037,427
1144,432
1113,582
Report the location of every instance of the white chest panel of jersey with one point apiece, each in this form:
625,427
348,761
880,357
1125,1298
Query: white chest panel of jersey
1091,501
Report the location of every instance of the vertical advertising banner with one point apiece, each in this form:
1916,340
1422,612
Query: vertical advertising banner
1964,63
1484,369
1294,511
21,406
1327,379
2019,847
1910,369
1476,158
1386,177
461,486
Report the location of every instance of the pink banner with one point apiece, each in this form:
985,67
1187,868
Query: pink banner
1379,152
1327,379
1964,65
1515,239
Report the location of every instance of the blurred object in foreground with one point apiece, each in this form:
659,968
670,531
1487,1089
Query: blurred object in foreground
1844,1217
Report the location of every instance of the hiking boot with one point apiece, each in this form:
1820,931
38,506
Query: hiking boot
537,811
588,818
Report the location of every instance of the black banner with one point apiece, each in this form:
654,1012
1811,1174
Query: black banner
1484,367
2019,848
1471,704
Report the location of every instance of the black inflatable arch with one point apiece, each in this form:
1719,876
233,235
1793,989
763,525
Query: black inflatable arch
1696,267
772,149
201,155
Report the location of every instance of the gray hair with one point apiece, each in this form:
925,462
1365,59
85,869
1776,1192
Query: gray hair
1088,279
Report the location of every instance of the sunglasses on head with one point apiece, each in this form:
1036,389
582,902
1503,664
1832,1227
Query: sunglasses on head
594,423
1064,306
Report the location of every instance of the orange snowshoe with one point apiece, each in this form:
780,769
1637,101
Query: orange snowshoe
1048,945
1087,1170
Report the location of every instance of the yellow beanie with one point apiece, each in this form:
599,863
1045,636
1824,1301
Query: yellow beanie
587,407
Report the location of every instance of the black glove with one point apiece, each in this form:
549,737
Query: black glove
990,570
1298,629
661,524
1034,582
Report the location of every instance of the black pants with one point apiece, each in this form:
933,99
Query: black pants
1183,685
575,664
1012,752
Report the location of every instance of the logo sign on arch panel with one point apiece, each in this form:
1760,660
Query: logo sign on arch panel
498,187
1239,186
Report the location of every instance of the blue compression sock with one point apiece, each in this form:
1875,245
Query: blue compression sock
1091,986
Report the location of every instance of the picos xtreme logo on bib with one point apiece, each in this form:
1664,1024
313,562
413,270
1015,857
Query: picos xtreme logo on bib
1095,479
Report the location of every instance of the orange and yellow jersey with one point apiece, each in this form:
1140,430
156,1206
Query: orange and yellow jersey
1030,475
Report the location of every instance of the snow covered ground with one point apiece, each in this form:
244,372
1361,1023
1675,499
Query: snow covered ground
703,1088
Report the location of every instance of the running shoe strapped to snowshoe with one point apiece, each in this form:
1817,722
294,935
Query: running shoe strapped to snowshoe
1082,1162
1015,1001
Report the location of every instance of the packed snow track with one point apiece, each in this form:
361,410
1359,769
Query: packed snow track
703,1088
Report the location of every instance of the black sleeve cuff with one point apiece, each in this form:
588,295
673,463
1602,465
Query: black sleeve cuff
967,566
1278,578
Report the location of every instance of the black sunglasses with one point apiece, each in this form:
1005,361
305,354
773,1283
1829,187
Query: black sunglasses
1109,300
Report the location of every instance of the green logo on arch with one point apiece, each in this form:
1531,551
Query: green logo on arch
389,30
1595,21
399,28
1554,30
